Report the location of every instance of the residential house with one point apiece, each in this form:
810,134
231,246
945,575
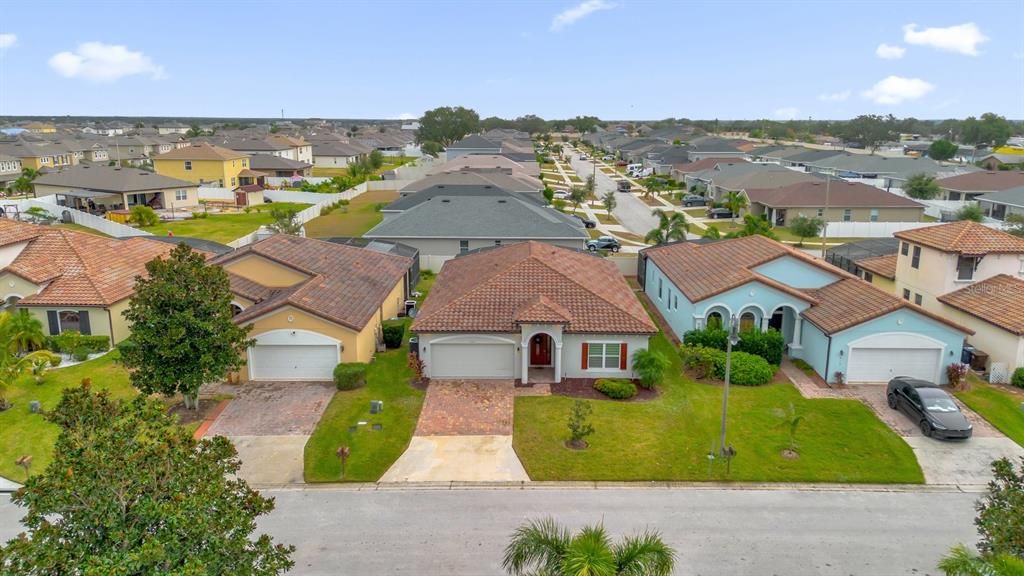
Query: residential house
999,205
472,217
994,309
38,155
972,185
476,162
206,164
10,169
279,166
302,151
465,185
946,268
312,304
996,160
715,147
530,311
886,172
736,177
72,280
844,328
168,128
472,144
872,259
836,201
105,188
337,154
497,178
40,127
681,170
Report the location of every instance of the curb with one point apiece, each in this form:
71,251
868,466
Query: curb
210,417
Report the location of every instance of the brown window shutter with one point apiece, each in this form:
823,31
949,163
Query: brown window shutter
585,352
622,355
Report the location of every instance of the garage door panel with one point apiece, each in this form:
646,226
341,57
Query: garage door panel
293,362
884,364
458,360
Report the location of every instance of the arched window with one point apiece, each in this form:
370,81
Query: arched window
747,321
715,320
235,309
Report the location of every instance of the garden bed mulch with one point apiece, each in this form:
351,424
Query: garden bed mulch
584,388
209,410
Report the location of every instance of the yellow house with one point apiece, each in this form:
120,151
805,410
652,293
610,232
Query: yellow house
72,280
880,271
40,128
312,304
204,163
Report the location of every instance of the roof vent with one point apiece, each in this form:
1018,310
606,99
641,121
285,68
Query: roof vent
502,201
445,200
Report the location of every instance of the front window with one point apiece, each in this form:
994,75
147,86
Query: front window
69,320
659,288
180,195
821,212
497,242
917,299
605,356
234,181
874,214
906,294
747,321
915,261
715,320
965,268
188,165
847,215
868,276
904,248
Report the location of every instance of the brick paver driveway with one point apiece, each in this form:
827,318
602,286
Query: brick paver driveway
467,407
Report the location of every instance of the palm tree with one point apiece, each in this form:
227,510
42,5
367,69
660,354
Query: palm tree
543,547
735,202
753,226
13,365
27,332
961,562
670,227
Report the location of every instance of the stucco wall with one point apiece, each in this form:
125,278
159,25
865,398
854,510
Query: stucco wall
884,283
99,318
793,272
572,351
909,214
12,285
1000,345
121,328
937,273
289,318
815,348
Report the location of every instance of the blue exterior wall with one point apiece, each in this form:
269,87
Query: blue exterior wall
815,348
795,273
680,318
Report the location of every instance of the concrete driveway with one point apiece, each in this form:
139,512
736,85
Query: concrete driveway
269,424
962,463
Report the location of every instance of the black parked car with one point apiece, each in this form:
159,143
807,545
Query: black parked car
694,200
586,222
603,243
716,213
930,406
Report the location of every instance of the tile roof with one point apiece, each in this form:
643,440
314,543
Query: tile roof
492,290
79,269
998,300
990,181
964,237
884,266
701,271
201,151
841,194
347,285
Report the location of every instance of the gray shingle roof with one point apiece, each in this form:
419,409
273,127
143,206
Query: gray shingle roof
474,141
416,198
1013,196
110,179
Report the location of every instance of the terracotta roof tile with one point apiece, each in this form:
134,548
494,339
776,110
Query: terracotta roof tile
998,300
492,290
347,285
964,237
884,266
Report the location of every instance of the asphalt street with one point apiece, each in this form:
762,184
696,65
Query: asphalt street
630,210
715,531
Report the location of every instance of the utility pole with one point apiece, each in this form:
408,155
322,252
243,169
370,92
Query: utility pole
723,449
824,226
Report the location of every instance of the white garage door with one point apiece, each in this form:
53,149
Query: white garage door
472,361
293,362
884,364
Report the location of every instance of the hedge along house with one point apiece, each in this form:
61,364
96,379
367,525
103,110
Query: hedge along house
845,328
312,304
72,280
530,311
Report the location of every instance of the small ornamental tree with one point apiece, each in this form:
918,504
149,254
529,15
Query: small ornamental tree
610,202
1000,518
285,221
942,150
805,227
970,212
183,332
922,187
130,491
579,424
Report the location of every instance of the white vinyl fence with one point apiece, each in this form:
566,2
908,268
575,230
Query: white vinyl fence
279,181
880,229
214,193
317,200
108,227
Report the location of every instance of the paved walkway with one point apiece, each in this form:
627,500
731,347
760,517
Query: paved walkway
467,407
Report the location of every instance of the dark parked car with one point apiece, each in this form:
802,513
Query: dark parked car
715,213
603,243
928,405
624,186
694,200
586,223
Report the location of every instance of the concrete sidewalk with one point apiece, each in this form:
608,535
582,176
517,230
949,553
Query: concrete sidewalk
457,458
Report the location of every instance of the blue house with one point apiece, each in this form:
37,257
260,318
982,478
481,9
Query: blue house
844,327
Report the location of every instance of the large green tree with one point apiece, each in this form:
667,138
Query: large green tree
990,130
671,227
942,150
543,547
447,124
183,333
922,187
130,492
870,130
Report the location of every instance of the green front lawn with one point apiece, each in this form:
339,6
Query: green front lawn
785,234
668,438
1003,408
355,219
372,452
23,433
222,228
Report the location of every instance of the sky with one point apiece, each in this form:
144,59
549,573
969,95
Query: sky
615,59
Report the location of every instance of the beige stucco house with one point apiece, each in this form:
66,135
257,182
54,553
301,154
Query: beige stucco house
312,304
115,187
72,280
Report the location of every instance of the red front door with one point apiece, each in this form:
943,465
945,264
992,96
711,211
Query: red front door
540,350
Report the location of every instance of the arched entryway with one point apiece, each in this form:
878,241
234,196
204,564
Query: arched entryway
541,350
786,319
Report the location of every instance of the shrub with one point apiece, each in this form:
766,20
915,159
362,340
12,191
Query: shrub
957,374
650,366
71,341
393,334
702,359
1018,378
747,370
614,388
579,423
80,354
708,337
144,216
350,376
768,345
200,215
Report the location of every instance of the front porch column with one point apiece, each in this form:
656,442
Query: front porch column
558,362
764,323
798,323
526,360
698,322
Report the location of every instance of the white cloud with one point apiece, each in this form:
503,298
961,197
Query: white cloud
963,38
101,62
786,113
896,89
835,96
889,51
578,12
8,40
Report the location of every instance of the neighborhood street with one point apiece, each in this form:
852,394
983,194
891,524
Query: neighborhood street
715,531
630,210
